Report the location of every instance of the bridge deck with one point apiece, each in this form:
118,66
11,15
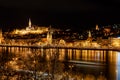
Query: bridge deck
60,47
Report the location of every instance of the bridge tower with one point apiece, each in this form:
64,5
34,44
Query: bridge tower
49,36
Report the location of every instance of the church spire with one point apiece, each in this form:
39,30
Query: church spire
29,23
89,34
97,28
49,35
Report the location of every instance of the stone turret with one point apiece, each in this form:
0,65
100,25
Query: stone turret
49,36
89,36
97,28
29,25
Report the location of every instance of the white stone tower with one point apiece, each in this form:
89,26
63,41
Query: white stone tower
89,34
49,36
30,24
97,28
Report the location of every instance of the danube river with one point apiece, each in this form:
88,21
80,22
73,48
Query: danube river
58,64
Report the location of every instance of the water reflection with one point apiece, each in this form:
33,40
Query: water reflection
58,64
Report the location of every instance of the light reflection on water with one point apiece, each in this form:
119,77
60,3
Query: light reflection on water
58,64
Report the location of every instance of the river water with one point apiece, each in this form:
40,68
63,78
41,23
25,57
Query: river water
58,64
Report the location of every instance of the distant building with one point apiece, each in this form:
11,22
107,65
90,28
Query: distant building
49,36
107,30
30,29
1,37
97,28
115,42
89,36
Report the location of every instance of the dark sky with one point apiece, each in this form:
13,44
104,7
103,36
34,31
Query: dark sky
75,13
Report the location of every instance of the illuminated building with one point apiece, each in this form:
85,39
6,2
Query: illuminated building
107,30
29,25
89,36
115,42
31,35
1,37
62,42
37,35
49,36
97,28
30,30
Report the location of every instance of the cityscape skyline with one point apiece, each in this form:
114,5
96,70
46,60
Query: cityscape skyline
76,15
59,40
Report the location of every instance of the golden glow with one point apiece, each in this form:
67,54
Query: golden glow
30,29
30,24
25,59
89,77
33,31
115,42
97,28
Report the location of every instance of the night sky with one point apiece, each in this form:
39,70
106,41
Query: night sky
59,13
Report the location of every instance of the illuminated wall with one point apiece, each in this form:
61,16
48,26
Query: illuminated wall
115,42
1,37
